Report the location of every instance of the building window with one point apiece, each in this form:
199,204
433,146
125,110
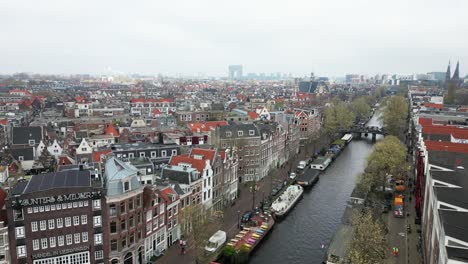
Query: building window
97,221
123,225
69,239
52,242
76,220
113,244
84,219
228,134
130,205
124,242
60,241
18,214
122,207
132,239
153,154
240,133
161,220
131,155
21,251
59,222
84,236
43,243
31,142
43,224
77,238
131,222
174,152
36,244
20,158
138,201
34,226
96,204
163,153
113,227
251,132
142,154
112,210
51,224
98,255
67,221
19,232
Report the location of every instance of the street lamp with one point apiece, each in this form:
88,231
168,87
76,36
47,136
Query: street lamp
238,219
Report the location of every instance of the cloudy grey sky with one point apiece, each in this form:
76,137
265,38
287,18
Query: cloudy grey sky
330,37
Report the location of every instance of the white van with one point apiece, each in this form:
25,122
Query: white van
216,241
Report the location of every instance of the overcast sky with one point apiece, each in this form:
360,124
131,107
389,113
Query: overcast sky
329,37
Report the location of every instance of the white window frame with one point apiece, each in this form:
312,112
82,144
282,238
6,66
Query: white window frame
69,239
35,243
34,227
163,153
51,224
61,241
52,242
21,251
84,219
19,232
98,255
44,243
240,133
77,238
131,155
142,154
67,221
251,132
97,239
76,220
153,154
97,221
96,204
31,142
59,222
43,225
84,236
174,152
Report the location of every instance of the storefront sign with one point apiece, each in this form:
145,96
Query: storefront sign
59,252
57,199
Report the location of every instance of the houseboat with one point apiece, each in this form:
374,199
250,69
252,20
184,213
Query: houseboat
309,178
347,138
283,204
321,162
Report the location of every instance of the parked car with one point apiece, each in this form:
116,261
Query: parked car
246,216
292,176
274,191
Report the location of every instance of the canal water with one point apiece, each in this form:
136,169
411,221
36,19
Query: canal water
314,220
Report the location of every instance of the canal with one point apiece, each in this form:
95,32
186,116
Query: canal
314,220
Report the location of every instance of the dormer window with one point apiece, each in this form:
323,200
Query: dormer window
228,134
32,142
126,186
240,133
251,132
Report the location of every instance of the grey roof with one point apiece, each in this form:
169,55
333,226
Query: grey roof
457,254
180,175
118,172
234,128
63,179
140,146
22,135
26,153
455,224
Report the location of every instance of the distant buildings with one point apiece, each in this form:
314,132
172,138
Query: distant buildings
235,72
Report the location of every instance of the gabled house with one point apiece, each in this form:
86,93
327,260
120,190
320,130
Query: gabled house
84,152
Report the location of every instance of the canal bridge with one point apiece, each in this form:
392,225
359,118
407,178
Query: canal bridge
366,130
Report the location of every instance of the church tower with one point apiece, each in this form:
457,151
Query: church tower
456,74
447,75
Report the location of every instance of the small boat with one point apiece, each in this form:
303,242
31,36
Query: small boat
321,163
309,178
347,138
281,206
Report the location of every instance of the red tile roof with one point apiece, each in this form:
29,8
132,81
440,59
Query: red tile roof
457,132
252,115
138,100
64,160
206,126
437,106
165,100
97,154
199,165
446,146
222,153
166,192
206,153
79,99
110,130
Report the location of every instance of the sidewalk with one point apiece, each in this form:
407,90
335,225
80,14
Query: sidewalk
245,202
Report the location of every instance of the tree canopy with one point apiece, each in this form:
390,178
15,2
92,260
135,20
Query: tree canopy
367,245
394,115
361,107
338,117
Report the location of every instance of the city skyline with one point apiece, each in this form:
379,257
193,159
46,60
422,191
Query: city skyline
328,38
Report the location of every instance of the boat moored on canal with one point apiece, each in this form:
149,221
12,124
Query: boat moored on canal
321,163
283,204
309,178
